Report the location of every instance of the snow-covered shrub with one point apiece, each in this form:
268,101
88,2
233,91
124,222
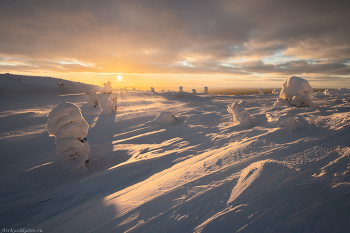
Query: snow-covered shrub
68,126
94,100
123,93
60,84
205,90
108,106
166,117
261,92
296,91
181,89
276,91
107,88
240,115
152,89
194,91
327,92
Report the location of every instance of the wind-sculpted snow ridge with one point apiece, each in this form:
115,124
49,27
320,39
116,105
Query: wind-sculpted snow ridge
69,128
240,115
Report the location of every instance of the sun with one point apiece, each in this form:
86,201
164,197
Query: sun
119,77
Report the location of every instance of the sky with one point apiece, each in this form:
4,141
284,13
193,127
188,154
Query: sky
167,43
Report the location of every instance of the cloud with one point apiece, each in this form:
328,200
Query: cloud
154,36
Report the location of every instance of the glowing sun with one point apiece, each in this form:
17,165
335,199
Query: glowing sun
119,77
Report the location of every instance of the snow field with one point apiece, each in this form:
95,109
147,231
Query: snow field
288,172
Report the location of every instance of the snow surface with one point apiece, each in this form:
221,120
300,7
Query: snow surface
289,172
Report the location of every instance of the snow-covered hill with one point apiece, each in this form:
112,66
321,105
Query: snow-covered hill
289,171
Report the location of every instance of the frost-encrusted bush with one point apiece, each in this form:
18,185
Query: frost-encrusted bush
93,97
107,88
68,126
261,92
94,100
276,91
166,117
205,90
296,92
108,105
240,115
194,91
327,92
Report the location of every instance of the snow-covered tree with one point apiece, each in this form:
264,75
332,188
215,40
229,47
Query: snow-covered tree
68,126
108,105
295,91
240,115
94,100
261,92
194,91
60,84
276,91
107,88
181,89
152,89
205,90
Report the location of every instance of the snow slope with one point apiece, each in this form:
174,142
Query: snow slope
289,172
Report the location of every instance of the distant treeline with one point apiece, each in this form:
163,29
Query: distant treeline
248,91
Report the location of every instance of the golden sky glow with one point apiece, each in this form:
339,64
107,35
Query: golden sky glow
171,43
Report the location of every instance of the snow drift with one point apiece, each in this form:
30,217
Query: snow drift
68,126
166,117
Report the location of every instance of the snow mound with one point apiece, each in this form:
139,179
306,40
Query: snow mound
240,115
296,91
261,92
68,126
166,117
276,91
